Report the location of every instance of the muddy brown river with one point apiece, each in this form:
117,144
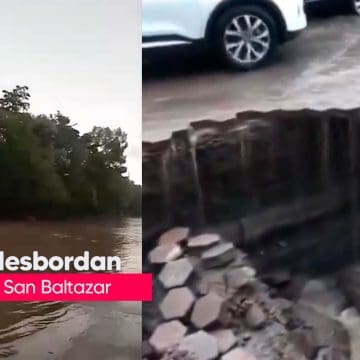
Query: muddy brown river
66,331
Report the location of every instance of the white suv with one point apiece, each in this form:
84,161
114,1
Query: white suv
245,33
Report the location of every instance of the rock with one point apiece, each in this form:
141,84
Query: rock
175,354
328,301
177,303
349,282
216,288
203,241
279,309
201,346
324,330
238,354
330,353
167,335
278,277
176,273
255,317
238,277
207,311
212,281
225,338
164,253
350,318
282,304
294,288
218,255
304,341
240,259
146,349
314,285
174,236
246,336
268,342
291,353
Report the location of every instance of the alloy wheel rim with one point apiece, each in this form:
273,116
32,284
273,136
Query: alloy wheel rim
357,6
247,39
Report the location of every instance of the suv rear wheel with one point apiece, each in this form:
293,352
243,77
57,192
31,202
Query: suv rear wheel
246,37
355,6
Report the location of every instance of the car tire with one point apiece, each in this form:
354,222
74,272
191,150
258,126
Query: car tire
246,37
354,7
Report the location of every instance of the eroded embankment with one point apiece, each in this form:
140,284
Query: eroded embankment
280,190
267,172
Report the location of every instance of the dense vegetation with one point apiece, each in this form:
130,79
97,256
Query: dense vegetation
48,169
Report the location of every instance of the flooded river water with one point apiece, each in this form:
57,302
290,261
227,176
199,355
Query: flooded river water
57,331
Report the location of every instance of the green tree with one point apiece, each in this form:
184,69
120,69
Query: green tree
29,183
49,170
105,166
16,100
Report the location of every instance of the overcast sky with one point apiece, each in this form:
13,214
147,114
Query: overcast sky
81,57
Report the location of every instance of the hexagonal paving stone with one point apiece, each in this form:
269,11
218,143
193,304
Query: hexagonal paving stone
225,338
167,335
174,236
203,241
238,354
177,303
218,255
176,273
255,317
200,346
164,253
208,311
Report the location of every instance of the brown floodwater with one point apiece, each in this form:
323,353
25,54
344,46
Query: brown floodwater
20,320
